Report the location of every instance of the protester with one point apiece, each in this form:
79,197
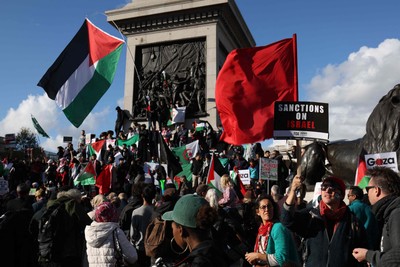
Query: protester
14,231
227,232
185,186
383,193
274,244
254,170
283,171
134,202
141,218
364,213
330,231
95,202
196,169
192,219
103,237
70,244
229,197
40,200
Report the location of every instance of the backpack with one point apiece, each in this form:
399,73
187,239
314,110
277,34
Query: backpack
155,239
225,235
50,232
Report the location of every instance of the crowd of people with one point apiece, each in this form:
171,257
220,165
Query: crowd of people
261,224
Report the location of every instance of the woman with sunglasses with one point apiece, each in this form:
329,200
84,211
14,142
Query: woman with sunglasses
330,231
274,244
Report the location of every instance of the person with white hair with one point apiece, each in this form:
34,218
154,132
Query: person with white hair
275,193
212,197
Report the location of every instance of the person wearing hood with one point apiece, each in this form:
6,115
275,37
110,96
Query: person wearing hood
103,236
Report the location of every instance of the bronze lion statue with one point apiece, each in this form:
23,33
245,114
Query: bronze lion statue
382,135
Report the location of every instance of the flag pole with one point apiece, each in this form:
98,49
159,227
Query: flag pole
296,84
296,81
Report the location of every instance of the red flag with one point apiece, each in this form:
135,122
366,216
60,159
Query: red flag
103,180
249,83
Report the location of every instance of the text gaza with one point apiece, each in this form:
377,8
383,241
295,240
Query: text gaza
384,161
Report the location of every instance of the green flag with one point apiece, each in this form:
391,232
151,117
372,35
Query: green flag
133,140
39,128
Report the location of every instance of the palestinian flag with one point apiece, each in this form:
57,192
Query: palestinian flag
83,72
215,173
129,142
200,126
87,175
364,182
95,148
361,171
187,152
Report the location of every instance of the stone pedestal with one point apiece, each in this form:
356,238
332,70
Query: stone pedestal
214,25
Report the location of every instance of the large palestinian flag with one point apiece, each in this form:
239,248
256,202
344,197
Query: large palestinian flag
83,72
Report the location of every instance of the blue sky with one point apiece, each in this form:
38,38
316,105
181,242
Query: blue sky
348,56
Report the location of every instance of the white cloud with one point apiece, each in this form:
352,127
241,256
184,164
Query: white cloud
354,87
52,120
40,107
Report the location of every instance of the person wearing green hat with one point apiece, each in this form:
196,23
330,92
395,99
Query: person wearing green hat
192,220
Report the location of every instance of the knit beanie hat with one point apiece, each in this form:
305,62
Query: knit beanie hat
106,212
338,182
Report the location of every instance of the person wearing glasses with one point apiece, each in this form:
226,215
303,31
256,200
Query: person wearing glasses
330,231
274,244
383,193
364,214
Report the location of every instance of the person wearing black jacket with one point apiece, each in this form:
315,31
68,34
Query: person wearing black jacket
330,231
192,220
196,169
383,193
134,202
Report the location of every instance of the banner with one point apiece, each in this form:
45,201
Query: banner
388,159
301,120
268,169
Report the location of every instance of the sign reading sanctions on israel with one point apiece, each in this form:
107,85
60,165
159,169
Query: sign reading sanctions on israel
301,120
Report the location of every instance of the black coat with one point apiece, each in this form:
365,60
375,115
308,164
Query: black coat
318,250
205,254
